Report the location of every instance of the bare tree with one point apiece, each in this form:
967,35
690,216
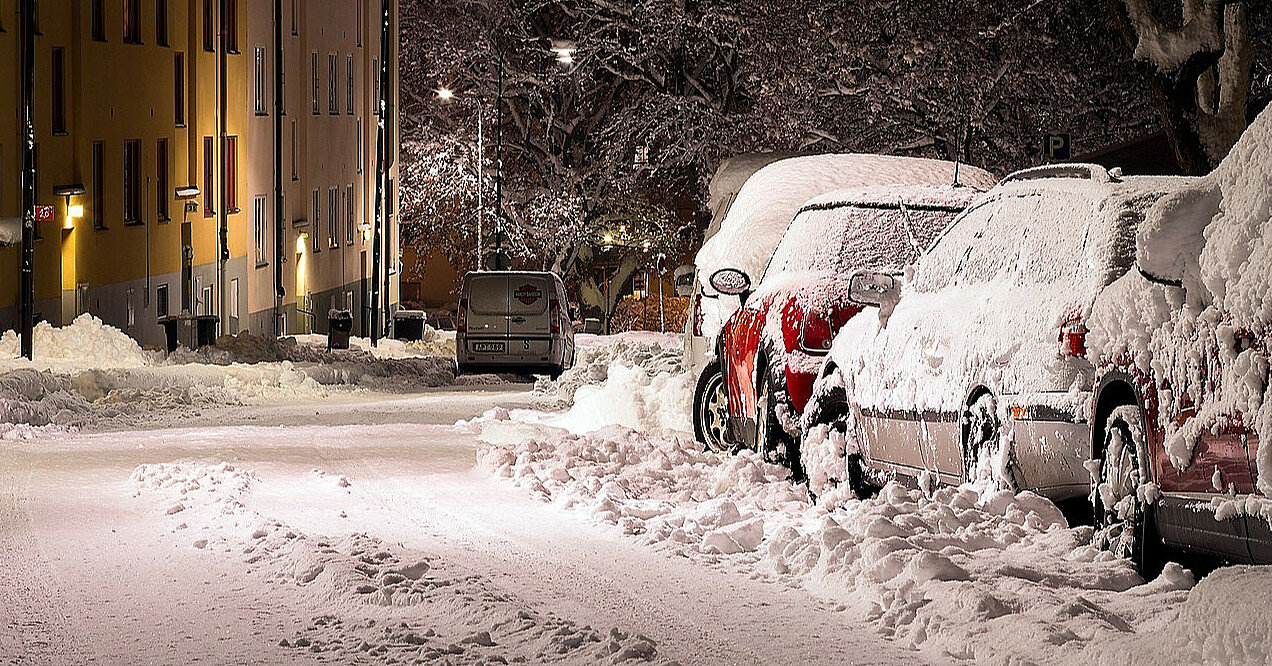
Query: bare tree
1202,68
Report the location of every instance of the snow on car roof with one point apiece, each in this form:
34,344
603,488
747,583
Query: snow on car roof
766,203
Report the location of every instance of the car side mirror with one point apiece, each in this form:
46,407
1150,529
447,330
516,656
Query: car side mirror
875,289
731,282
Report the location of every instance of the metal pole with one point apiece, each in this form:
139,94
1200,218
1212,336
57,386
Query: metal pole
377,231
499,211
27,324
223,230
279,214
481,182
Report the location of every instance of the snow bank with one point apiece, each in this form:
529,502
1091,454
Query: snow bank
381,602
85,343
985,577
630,379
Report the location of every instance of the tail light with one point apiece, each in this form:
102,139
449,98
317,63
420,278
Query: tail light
461,322
697,315
1072,337
817,334
554,314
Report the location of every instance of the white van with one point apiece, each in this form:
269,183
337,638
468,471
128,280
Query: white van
513,321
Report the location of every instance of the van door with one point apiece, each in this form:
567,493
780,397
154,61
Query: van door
488,305
528,297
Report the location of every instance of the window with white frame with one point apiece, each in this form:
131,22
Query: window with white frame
333,77
259,228
315,226
349,227
333,216
258,69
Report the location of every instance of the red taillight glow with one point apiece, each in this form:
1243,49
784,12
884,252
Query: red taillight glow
1072,337
817,334
461,321
697,315
554,314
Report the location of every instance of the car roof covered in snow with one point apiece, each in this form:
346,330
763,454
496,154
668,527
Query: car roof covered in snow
891,195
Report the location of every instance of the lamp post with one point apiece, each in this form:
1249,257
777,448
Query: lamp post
27,325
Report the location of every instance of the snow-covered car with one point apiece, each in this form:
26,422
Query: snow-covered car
974,367
1182,397
751,228
770,350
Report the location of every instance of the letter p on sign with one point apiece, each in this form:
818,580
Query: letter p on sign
1056,147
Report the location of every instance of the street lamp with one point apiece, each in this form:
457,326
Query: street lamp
445,93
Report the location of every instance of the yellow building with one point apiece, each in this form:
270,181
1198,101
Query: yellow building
163,129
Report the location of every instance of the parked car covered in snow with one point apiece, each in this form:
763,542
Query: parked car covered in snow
516,321
1182,396
770,350
750,229
975,367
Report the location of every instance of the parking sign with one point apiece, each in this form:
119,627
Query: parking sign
1056,147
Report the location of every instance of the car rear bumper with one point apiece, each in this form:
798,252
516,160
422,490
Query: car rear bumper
509,351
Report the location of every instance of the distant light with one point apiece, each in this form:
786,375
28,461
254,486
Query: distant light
445,93
608,238
564,50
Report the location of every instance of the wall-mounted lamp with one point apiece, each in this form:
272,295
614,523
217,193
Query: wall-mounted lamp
72,212
189,193
301,238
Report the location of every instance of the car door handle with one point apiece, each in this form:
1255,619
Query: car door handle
518,320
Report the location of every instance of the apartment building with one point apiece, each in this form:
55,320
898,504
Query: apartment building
158,141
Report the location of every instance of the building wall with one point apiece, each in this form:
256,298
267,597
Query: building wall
119,92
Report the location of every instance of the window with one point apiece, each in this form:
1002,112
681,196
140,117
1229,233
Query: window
333,216
361,158
132,312
349,89
295,151
209,175
99,185
259,210
132,21
178,89
209,27
333,75
349,214
231,174
295,15
162,184
231,26
161,22
313,70
207,300
132,182
282,87
360,21
258,65
315,218
58,79
161,300
99,21
234,315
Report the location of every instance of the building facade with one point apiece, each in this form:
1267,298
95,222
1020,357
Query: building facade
156,120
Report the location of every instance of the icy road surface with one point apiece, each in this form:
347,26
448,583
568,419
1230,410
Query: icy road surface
356,530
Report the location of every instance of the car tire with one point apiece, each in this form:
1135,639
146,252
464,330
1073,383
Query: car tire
772,441
1125,524
984,458
711,410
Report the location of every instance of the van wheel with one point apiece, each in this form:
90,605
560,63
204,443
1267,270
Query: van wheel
711,410
772,441
985,455
1124,521
555,372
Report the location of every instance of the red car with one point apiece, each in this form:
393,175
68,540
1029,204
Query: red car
770,350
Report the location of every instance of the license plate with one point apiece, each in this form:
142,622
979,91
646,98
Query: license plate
488,346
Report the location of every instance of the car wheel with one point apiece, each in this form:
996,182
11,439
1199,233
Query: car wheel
772,441
826,420
1124,522
711,410
986,459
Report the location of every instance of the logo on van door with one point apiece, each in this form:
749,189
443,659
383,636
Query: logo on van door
528,294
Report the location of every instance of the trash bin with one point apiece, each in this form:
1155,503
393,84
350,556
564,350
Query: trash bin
408,325
205,329
340,326
169,324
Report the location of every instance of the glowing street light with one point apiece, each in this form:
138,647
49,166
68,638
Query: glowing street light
445,93
564,51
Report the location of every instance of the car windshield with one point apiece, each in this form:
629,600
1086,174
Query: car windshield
845,237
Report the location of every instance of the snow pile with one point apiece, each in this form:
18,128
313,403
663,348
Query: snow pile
432,342
379,602
770,198
987,577
631,379
85,343
37,398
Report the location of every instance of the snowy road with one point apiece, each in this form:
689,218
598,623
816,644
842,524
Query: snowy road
356,530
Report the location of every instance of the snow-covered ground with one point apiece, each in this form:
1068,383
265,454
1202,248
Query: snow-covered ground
573,523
